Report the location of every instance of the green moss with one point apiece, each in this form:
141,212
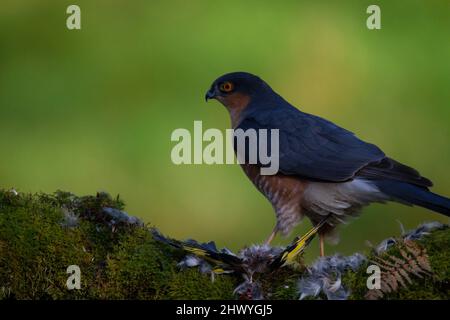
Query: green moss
437,249
37,244
36,250
121,263
137,268
191,284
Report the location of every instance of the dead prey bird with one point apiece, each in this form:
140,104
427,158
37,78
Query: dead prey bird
254,259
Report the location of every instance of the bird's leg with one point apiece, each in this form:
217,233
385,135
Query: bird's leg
271,237
322,245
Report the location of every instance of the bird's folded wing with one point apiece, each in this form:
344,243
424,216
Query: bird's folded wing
313,147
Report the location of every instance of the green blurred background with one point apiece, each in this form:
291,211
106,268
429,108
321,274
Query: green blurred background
94,109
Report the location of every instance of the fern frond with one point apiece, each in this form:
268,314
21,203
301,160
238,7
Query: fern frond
398,272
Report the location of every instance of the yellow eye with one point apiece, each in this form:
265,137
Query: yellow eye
226,87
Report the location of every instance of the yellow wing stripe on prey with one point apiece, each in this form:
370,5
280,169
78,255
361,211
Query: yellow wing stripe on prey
300,244
219,270
196,251
201,253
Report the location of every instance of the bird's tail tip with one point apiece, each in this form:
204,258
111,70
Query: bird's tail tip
415,195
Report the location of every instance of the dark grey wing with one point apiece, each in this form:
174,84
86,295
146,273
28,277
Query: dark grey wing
313,147
392,170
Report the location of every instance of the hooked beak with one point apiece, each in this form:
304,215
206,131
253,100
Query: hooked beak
210,95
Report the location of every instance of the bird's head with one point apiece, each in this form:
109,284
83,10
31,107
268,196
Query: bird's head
235,90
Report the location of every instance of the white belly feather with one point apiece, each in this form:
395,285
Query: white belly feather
341,199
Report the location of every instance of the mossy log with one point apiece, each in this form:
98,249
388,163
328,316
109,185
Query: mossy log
41,235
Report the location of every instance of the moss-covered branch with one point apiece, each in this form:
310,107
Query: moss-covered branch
41,235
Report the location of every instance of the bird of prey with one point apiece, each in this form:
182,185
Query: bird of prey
323,168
